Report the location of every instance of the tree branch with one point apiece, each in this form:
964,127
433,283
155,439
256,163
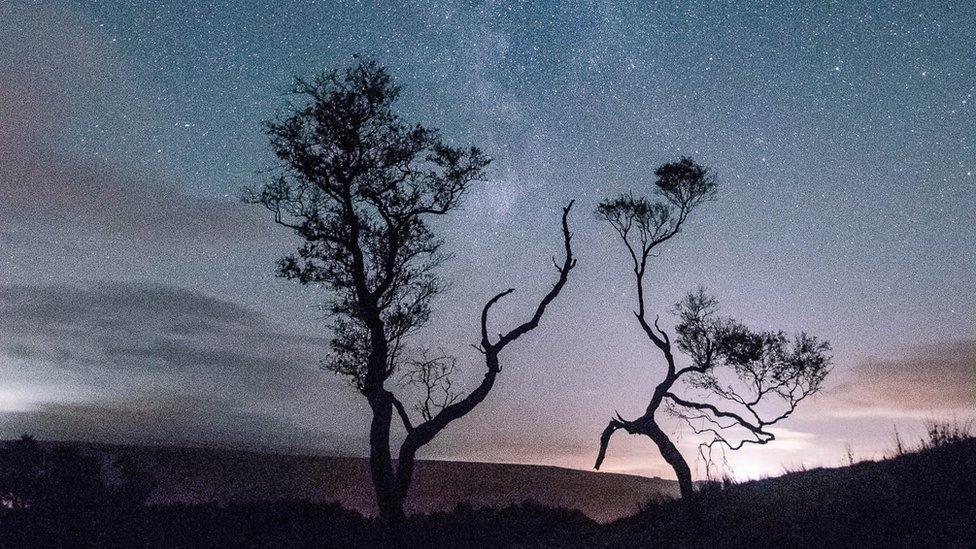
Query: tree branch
715,411
404,417
426,431
568,263
615,424
485,342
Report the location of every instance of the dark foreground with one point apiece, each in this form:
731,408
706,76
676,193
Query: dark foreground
921,499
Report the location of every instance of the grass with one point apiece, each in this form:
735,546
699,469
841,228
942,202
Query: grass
945,433
923,498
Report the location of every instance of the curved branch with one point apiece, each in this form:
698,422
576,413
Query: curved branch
615,424
664,335
568,263
426,431
715,411
485,342
605,441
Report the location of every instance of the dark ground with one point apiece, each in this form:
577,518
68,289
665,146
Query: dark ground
921,499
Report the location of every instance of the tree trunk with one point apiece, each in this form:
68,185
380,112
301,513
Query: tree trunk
380,462
404,474
674,458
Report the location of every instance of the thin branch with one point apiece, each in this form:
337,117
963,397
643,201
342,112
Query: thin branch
404,417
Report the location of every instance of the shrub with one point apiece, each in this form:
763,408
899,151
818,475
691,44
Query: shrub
944,433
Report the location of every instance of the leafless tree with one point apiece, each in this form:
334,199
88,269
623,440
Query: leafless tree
434,375
740,382
358,187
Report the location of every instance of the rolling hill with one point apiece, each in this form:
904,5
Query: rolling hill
204,475
918,498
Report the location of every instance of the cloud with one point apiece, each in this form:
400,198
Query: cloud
45,189
163,420
54,76
113,325
930,379
150,362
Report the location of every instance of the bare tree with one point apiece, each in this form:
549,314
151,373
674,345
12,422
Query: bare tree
741,382
358,186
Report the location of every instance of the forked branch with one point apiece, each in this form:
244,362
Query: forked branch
459,407
568,263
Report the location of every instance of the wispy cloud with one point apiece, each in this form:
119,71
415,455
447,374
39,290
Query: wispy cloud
155,362
930,380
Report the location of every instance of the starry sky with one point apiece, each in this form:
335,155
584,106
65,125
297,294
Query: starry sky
137,296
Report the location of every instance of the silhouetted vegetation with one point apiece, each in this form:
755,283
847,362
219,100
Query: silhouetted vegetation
60,496
923,498
946,433
359,187
739,382
919,499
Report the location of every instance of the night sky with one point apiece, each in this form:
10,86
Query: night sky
138,301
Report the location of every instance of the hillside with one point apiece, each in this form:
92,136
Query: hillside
201,475
921,499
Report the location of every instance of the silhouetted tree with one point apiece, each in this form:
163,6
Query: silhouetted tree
359,187
63,478
741,381
20,461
